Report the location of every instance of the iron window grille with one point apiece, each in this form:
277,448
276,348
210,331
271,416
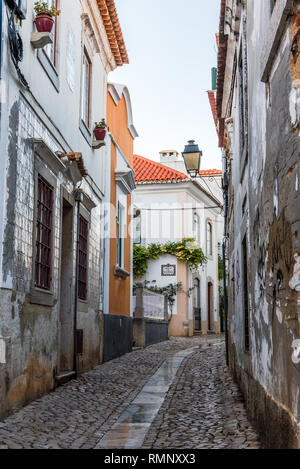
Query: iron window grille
83,259
43,255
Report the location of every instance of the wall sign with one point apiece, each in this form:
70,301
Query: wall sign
168,270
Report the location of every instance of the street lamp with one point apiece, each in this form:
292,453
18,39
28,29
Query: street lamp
192,158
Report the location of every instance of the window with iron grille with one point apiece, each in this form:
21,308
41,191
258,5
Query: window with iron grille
43,254
120,235
83,259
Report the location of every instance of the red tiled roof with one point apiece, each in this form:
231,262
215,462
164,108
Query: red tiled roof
211,172
150,171
213,105
113,30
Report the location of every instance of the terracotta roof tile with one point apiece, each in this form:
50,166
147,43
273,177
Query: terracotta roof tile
211,172
113,30
150,171
213,105
77,157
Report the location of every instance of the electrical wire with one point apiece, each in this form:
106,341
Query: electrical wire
15,45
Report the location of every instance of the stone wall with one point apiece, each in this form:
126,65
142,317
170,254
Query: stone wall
264,213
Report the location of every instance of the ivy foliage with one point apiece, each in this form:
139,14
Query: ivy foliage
186,251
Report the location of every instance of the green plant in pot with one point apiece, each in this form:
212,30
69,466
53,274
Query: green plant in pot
44,16
100,130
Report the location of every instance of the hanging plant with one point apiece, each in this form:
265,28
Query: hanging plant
100,130
186,251
44,16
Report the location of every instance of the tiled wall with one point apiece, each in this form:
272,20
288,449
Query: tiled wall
31,331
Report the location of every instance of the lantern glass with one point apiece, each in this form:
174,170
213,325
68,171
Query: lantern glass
192,158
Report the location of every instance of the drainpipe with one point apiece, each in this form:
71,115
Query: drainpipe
225,194
78,199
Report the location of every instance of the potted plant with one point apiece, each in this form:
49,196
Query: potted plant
100,130
44,16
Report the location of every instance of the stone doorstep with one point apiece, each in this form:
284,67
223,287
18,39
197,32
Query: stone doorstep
64,378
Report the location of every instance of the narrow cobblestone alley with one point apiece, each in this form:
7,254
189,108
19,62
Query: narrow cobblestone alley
201,409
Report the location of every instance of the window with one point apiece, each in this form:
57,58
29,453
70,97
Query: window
50,49
243,98
245,292
196,227
83,259
120,232
209,239
86,88
43,254
137,230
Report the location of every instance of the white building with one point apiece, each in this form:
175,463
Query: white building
52,185
172,207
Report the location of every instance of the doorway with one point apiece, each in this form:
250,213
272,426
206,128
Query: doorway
66,280
210,306
196,305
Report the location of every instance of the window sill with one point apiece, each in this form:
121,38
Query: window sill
277,26
121,273
85,132
41,297
49,68
83,306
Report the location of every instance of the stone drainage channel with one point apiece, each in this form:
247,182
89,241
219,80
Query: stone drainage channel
133,425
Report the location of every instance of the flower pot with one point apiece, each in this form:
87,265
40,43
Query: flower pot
44,23
99,133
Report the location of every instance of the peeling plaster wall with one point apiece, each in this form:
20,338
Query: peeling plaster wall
32,332
268,376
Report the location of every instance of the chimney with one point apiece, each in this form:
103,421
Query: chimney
168,156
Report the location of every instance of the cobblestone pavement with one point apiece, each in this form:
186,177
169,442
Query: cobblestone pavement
203,409
197,407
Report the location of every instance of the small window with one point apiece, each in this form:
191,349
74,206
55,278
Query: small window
50,49
137,229
43,254
83,259
209,239
86,88
196,227
120,236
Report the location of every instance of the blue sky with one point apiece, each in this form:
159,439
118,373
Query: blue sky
172,48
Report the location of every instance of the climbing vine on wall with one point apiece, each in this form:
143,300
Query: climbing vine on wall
186,251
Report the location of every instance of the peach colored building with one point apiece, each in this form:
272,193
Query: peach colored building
118,311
